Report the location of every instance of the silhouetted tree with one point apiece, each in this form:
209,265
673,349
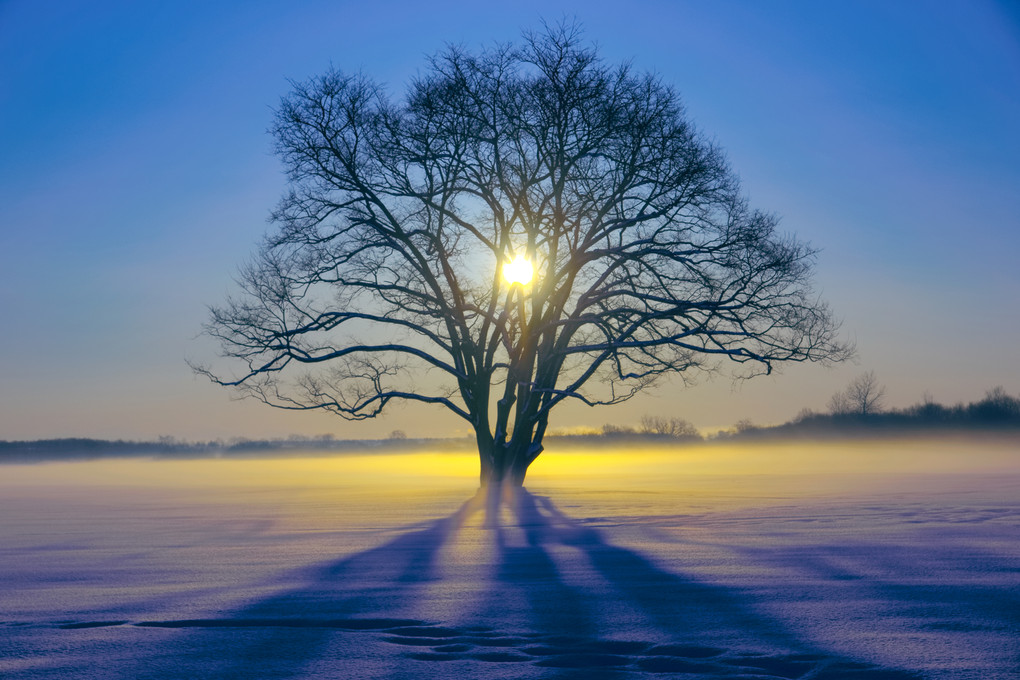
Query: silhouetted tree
863,396
611,430
997,406
929,410
676,428
383,279
744,426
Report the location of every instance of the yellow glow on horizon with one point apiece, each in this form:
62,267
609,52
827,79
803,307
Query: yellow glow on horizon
519,270
650,468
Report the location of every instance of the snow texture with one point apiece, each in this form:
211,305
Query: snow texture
158,570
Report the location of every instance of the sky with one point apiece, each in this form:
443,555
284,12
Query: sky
136,175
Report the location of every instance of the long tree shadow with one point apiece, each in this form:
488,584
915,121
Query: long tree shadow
368,592
702,629
561,601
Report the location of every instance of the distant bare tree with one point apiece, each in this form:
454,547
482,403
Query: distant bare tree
527,226
610,430
677,428
839,404
862,396
744,425
804,414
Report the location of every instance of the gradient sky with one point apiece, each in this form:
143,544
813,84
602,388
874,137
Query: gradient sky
136,174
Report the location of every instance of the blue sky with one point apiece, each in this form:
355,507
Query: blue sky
136,174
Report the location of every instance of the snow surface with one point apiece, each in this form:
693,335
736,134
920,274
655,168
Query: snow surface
718,564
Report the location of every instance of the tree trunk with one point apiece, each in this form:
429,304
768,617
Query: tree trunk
499,477
485,471
502,466
516,474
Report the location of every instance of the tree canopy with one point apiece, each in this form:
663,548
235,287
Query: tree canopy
383,279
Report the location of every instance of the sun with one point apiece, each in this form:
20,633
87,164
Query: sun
518,270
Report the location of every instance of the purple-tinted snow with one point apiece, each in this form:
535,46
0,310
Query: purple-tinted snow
246,569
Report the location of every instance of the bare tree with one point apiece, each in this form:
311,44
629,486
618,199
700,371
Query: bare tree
744,425
862,396
611,430
527,225
676,428
839,404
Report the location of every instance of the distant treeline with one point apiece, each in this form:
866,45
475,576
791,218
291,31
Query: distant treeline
997,412
75,448
854,412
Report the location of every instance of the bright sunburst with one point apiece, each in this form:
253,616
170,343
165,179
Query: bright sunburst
518,270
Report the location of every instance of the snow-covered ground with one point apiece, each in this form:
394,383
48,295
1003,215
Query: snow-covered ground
861,561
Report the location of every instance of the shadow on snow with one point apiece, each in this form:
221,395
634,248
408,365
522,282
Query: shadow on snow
530,615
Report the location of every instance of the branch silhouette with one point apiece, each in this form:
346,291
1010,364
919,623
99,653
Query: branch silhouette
383,280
